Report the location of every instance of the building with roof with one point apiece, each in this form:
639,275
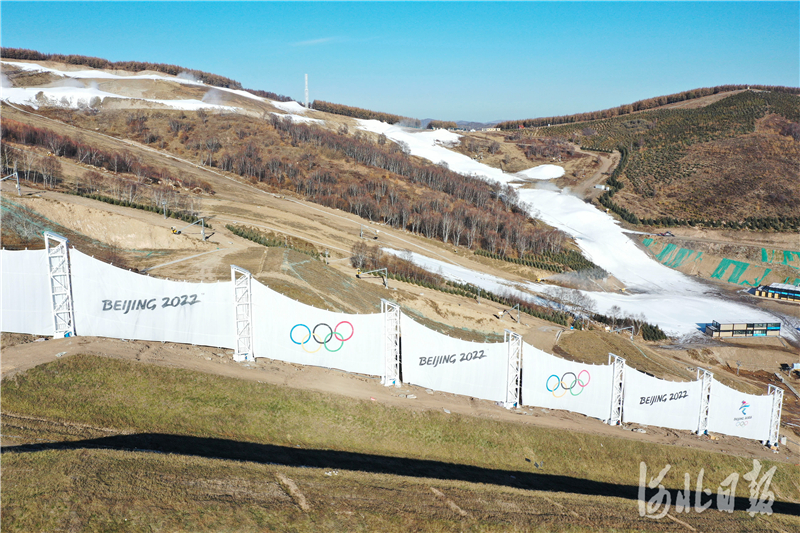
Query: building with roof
779,291
743,329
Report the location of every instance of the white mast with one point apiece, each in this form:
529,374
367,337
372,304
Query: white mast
306,91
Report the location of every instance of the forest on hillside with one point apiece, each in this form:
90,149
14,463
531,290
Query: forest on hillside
368,176
640,105
366,114
441,125
732,163
117,177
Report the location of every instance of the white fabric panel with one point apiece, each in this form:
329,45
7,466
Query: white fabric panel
111,302
442,363
657,402
25,305
287,330
555,383
735,413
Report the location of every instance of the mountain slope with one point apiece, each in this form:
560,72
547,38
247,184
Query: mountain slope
722,163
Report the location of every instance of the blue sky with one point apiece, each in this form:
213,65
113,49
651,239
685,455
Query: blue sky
447,60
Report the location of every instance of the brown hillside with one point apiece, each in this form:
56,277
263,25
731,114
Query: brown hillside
730,179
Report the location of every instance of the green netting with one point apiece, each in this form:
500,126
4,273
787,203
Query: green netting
738,269
757,281
664,254
789,256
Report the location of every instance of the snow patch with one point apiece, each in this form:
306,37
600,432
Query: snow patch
76,97
298,118
213,99
542,172
676,314
289,107
426,144
99,74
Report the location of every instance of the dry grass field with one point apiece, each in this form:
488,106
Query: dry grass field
129,446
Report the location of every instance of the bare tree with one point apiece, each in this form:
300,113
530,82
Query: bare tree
128,160
359,254
558,295
615,314
140,171
638,320
458,229
55,143
50,168
131,190
115,185
430,223
491,238
212,145
29,160
447,226
93,180
472,231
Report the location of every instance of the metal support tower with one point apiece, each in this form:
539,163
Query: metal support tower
775,419
623,329
705,399
201,221
16,177
243,304
60,284
306,91
384,276
514,343
617,388
391,340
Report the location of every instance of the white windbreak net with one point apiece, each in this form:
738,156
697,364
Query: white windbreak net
555,383
111,302
25,304
443,363
735,413
287,330
657,402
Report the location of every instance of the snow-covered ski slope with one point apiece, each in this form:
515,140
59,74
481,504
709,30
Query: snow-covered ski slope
79,88
674,301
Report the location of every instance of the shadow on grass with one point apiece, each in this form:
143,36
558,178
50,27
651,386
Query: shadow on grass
376,464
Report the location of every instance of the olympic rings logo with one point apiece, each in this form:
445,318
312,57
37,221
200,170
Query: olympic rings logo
569,382
742,423
322,338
